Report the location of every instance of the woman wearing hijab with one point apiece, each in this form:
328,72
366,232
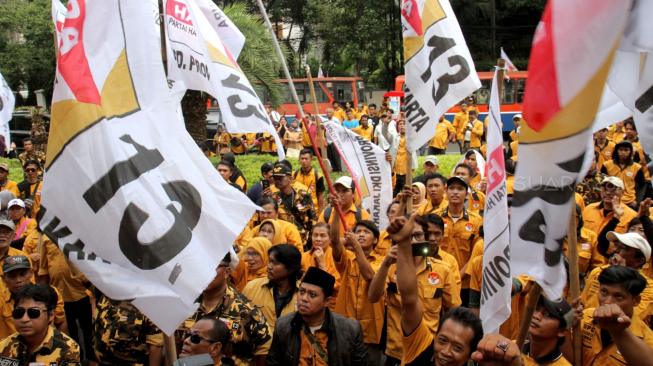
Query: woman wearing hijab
419,194
253,262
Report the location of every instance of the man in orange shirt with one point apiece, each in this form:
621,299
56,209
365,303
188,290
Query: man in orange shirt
7,184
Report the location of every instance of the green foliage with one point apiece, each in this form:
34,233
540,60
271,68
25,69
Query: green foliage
27,45
250,165
15,169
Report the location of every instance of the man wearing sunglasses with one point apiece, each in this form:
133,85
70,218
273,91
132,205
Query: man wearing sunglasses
18,273
35,340
30,188
208,336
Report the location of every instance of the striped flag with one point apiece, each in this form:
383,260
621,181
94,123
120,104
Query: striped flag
572,52
497,279
509,65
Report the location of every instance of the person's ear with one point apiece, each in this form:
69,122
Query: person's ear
215,349
50,316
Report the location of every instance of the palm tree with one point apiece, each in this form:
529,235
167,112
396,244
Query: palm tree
257,60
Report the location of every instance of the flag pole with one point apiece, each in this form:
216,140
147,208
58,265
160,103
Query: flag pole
574,278
321,140
293,91
533,297
409,182
170,348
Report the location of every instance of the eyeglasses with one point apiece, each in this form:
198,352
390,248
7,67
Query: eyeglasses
32,313
30,170
195,338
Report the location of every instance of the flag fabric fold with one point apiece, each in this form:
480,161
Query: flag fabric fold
497,279
569,64
510,67
200,59
439,68
7,103
127,194
369,168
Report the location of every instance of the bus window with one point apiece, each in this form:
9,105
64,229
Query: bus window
342,92
520,86
508,96
482,95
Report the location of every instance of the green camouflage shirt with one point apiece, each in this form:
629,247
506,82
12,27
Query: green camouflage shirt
250,333
57,349
123,334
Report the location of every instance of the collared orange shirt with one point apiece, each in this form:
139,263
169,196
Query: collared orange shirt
443,130
590,294
352,299
308,356
593,352
594,218
438,287
460,236
366,133
261,294
310,180
54,264
428,208
12,187
588,253
350,217
459,123
603,153
627,175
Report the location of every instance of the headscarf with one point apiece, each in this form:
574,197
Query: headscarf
242,275
279,235
422,193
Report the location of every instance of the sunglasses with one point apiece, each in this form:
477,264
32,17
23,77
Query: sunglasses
30,170
32,313
195,338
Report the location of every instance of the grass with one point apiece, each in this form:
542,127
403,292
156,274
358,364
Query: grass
15,169
250,165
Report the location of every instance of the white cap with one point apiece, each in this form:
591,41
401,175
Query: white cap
633,240
518,115
345,181
16,202
432,159
615,181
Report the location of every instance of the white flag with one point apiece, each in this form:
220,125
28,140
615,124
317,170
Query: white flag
497,278
369,169
509,65
230,35
439,68
199,59
58,18
128,196
570,60
7,103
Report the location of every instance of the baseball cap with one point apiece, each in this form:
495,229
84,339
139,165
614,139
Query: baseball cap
15,262
8,223
517,116
281,170
432,159
560,310
615,181
4,166
633,240
345,181
16,202
454,179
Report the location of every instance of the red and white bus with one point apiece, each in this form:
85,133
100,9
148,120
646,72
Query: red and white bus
511,100
327,90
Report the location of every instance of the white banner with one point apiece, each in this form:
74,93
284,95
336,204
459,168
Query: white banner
509,65
199,59
125,183
439,68
497,278
369,169
7,103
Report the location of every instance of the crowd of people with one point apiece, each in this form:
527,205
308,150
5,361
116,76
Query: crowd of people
316,282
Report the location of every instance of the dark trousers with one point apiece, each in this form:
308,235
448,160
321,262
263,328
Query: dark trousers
436,151
79,314
389,361
334,158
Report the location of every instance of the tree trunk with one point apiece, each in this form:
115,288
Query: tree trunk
193,107
38,134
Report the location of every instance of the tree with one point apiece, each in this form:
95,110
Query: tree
27,46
